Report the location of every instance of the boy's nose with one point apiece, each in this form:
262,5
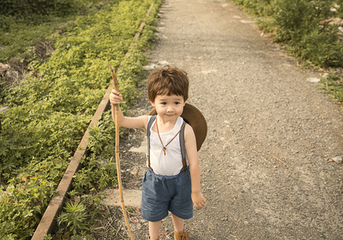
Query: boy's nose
170,109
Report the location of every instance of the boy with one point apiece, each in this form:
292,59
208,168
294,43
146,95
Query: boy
169,184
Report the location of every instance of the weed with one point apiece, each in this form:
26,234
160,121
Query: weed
333,85
74,217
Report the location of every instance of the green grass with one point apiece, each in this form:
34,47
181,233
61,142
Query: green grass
333,85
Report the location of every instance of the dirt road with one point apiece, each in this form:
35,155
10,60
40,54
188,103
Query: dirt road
265,163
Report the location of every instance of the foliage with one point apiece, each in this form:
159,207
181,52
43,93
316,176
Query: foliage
22,206
74,217
304,26
321,48
258,7
49,112
18,36
333,85
98,172
338,6
28,8
21,26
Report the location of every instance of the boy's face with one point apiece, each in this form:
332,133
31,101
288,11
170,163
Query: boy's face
169,108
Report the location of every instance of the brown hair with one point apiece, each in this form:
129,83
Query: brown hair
168,81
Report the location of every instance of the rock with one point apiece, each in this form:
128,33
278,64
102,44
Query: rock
326,75
155,65
134,171
131,198
337,159
4,68
313,80
4,109
141,149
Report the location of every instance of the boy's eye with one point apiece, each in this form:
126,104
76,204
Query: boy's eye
163,103
177,103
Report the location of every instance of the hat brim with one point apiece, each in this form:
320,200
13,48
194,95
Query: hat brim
193,117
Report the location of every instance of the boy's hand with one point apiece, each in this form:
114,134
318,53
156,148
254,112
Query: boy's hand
198,200
115,97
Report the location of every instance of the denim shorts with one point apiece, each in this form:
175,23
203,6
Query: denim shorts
161,194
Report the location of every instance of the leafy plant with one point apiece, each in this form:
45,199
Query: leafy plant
37,7
322,48
49,112
74,217
333,85
22,206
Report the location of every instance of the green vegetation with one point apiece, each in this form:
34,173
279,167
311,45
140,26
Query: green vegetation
307,31
23,24
74,217
37,8
48,112
62,49
333,85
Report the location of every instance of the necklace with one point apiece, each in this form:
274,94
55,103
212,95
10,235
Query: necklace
164,148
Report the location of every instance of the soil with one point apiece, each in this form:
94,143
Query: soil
266,164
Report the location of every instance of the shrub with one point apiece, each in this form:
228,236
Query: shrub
74,217
333,85
322,48
22,206
48,114
24,9
303,26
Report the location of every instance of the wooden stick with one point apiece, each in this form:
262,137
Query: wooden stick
116,120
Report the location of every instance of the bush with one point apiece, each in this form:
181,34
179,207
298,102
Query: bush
322,48
25,9
333,85
22,207
48,114
74,217
304,26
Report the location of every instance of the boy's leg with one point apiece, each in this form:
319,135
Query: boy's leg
179,233
178,223
154,229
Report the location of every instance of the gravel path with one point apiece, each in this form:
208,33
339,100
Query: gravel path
266,168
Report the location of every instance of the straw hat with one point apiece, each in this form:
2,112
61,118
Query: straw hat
193,117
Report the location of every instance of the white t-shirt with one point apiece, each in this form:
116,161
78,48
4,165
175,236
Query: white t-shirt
171,163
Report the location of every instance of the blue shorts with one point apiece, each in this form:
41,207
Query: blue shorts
161,194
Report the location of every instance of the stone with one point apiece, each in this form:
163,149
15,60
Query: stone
4,68
134,171
313,80
337,159
140,149
131,198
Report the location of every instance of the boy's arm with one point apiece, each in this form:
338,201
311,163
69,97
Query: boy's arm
128,122
194,168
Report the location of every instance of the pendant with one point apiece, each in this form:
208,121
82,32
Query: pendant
164,150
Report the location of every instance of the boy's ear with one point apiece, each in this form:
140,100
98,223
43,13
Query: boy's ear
152,103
